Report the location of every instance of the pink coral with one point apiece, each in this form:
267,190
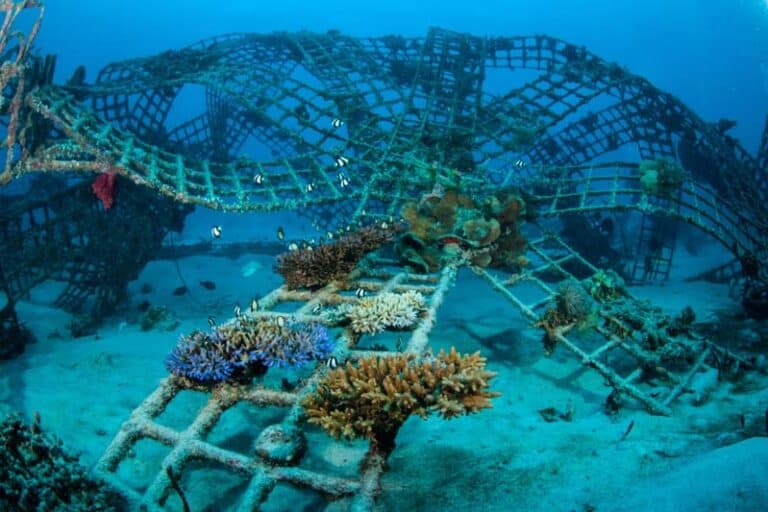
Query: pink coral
104,188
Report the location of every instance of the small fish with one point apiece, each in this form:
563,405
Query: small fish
399,344
258,178
312,241
280,321
280,233
293,246
332,363
208,285
287,385
329,235
216,231
341,161
742,421
519,163
212,322
384,225
301,112
337,123
254,305
237,311
629,429
310,187
343,180
360,293
317,309
766,420
181,290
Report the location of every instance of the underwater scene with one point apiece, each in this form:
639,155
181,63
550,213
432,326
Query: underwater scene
384,256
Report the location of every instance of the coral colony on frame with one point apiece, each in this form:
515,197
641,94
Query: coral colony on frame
562,195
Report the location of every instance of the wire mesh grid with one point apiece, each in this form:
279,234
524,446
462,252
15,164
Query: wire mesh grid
189,443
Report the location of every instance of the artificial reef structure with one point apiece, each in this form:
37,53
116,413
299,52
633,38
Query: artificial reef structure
522,158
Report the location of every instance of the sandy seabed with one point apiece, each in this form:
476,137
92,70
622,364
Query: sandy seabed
502,459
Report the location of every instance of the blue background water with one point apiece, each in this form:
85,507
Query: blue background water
713,54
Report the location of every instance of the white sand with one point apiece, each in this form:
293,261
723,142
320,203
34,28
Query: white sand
501,459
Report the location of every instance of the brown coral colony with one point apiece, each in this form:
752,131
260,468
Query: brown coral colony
373,399
316,267
486,230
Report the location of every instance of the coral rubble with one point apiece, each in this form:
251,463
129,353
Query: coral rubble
373,399
387,310
316,267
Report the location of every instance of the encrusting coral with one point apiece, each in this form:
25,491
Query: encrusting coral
661,177
247,348
387,310
316,267
570,306
486,232
374,399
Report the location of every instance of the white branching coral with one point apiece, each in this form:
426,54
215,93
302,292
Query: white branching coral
387,310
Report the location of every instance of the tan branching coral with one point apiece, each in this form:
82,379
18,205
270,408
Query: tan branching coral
316,267
387,310
373,399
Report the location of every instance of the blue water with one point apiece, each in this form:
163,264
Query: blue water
707,52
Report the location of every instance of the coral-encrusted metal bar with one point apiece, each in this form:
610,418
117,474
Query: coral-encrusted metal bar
608,326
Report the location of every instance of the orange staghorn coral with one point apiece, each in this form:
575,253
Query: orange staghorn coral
314,268
374,399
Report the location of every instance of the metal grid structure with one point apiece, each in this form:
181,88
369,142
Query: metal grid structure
618,354
190,443
402,100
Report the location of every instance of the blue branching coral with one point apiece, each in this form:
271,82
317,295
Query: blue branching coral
247,348
291,346
205,357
